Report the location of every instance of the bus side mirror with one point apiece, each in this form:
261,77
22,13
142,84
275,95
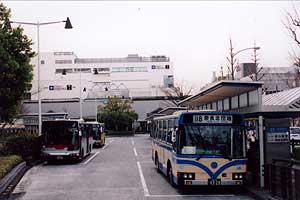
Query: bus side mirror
173,139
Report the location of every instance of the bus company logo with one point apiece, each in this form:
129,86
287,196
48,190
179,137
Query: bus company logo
214,165
239,167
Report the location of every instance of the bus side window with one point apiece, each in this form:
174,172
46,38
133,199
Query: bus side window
161,130
169,131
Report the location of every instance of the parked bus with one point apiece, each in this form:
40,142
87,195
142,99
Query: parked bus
65,138
98,134
200,148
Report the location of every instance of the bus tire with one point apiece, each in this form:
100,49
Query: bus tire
81,155
157,163
170,175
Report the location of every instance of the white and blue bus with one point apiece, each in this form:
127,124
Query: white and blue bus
66,139
200,147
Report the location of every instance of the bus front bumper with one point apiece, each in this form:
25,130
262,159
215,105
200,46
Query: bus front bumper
206,182
60,155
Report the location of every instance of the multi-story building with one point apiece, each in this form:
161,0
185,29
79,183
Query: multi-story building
275,79
64,75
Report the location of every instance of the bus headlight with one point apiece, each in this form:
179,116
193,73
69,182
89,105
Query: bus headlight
237,176
187,176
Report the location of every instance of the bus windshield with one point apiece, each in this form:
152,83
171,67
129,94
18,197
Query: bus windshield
224,141
60,133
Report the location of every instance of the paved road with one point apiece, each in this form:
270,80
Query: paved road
123,170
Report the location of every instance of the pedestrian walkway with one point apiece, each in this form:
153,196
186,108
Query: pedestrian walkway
257,193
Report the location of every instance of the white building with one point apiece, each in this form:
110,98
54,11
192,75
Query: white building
64,75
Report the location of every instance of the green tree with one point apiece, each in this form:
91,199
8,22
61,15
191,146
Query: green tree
15,68
117,114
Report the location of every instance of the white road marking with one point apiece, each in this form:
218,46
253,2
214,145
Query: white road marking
135,153
107,144
132,142
86,162
145,188
200,195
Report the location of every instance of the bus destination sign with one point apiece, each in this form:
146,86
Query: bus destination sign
218,119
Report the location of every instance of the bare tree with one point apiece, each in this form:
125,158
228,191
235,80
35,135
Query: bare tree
257,76
179,91
292,24
232,61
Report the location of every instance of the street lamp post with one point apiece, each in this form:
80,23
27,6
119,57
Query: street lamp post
232,59
68,25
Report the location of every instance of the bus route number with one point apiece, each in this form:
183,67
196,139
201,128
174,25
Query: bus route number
214,181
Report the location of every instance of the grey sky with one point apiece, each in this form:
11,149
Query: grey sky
194,34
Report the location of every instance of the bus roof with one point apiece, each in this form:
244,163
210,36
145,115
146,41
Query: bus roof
94,122
178,113
67,120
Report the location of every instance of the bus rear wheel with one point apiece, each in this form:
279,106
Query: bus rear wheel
157,164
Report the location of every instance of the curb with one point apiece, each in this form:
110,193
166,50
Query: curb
7,179
10,181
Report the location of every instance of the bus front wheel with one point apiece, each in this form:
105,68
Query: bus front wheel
170,175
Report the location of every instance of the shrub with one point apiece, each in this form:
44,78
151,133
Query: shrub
25,144
7,163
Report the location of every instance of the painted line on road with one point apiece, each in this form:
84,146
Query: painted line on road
107,144
134,150
145,188
199,195
86,162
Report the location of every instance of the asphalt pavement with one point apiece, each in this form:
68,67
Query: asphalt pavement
122,170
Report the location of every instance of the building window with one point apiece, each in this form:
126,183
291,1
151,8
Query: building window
243,100
42,62
167,66
63,61
220,105
235,102
226,104
253,98
168,81
214,106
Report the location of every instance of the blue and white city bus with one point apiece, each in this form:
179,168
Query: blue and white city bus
200,147
66,139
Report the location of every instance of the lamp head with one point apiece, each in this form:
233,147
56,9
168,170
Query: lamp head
256,48
68,24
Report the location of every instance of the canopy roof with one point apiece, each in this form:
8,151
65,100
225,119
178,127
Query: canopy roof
287,100
221,90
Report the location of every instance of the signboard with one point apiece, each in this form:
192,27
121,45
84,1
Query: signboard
201,119
277,135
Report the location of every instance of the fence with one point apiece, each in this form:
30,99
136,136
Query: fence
284,179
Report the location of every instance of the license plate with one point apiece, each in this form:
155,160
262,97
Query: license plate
214,181
59,157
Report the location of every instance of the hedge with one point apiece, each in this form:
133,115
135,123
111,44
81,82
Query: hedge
7,163
24,144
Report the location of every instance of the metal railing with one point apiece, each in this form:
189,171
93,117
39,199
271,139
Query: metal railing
284,179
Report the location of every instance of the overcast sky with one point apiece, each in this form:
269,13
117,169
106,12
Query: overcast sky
195,35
